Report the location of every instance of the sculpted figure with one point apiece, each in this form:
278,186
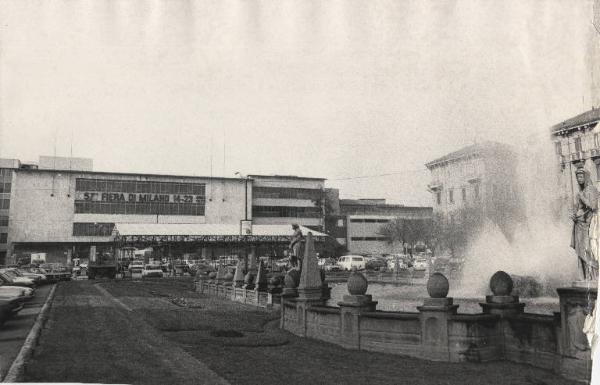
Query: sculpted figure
296,246
585,213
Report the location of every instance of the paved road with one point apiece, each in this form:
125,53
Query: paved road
91,337
14,332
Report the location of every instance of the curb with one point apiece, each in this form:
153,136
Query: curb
16,369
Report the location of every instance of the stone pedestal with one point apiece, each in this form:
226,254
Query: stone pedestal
309,287
434,317
575,304
289,292
351,308
502,305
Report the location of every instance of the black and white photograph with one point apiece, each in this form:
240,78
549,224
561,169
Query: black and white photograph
297,192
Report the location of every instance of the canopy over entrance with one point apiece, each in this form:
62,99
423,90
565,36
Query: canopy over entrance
129,233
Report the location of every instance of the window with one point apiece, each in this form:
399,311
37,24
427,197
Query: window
3,237
3,220
340,223
286,212
476,187
558,147
4,204
92,229
451,196
578,144
357,259
438,197
286,193
464,194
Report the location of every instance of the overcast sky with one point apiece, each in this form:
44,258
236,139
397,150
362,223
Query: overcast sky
332,89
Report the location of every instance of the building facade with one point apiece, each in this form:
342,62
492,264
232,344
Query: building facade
577,142
358,224
280,199
480,176
61,207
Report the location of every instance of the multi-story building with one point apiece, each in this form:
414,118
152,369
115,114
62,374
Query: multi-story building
483,175
577,141
62,207
282,199
357,224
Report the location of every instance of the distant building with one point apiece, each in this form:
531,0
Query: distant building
357,223
283,199
481,176
61,207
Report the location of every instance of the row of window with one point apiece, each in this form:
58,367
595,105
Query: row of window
463,194
368,238
92,229
286,193
356,220
3,220
140,208
3,237
5,187
286,212
108,185
577,143
5,172
4,204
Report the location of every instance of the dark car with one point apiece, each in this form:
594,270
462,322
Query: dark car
376,264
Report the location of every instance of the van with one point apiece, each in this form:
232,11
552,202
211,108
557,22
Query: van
349,262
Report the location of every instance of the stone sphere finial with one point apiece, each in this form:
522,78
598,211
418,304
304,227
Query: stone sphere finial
357,283
501,283
228,276
292,279
438,286
212,275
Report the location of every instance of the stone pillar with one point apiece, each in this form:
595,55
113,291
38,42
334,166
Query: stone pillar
238,278
310,277
252,266
576,303
220,274
351,308
261,278
435,314
249,281
502,302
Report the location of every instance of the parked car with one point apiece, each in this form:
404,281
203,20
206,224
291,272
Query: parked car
152,271
420,264
349,262
11,279
37,277
136,267
376,264
59,271
201,268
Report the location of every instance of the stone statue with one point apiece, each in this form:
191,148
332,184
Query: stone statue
585,213
296,244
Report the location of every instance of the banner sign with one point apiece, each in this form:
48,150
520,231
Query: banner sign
116,197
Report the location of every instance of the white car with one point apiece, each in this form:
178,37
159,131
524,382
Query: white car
420,264
152,271
349,262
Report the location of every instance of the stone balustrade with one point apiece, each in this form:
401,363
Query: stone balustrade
502,331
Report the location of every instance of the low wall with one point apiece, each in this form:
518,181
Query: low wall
226,290
439,334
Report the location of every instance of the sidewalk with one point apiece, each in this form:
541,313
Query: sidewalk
14,332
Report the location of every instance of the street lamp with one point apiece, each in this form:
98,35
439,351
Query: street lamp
245,193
